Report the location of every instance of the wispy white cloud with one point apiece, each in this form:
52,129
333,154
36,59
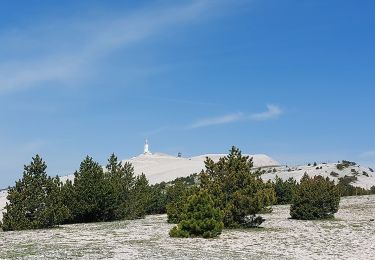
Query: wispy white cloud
65,51
272,112
217,120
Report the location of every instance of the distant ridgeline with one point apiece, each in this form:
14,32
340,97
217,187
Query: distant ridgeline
116,191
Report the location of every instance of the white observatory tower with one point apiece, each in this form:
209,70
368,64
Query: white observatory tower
145,150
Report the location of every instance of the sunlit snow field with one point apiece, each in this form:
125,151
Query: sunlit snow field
350,236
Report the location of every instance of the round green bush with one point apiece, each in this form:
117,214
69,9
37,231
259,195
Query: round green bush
199,218
316,198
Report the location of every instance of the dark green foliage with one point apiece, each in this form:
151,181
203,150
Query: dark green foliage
285,190
189,180
91,195
35,201
372,190
345,164
334,174
346,180
315,164
98,195
158,199
236,189
199,218
347,189
340,167
316,198
128,196
371,170
177,195
140,197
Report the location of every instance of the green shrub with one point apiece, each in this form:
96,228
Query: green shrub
285,190
316,198
35,201
236,189
334,174
345,164
177,195
347,189
340,167
199,218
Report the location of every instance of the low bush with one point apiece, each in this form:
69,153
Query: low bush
345,164
199,218
315,198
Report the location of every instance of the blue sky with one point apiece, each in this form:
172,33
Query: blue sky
293,79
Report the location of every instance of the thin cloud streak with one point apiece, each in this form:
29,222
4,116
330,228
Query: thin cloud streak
94,40
217,120
272,112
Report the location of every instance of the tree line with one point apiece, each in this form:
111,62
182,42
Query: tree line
226,194
39,201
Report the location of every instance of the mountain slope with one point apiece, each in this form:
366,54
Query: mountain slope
161,167
365,176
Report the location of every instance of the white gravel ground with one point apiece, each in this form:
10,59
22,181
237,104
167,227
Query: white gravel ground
350,236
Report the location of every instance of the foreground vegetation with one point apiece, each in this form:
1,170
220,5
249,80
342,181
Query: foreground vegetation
351,236
38,201
227,194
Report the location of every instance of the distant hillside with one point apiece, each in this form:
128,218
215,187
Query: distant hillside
161,167
365,176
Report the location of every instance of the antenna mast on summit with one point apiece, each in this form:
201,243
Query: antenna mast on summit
146,150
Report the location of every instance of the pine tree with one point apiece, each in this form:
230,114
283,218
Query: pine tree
158,199
177,195
316,198
91,192
35,201
140,197
237,189
199,218
122,182
285,190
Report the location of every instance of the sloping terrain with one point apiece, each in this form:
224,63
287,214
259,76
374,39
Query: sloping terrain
161,167
365,176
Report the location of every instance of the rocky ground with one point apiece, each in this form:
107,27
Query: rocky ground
350,236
